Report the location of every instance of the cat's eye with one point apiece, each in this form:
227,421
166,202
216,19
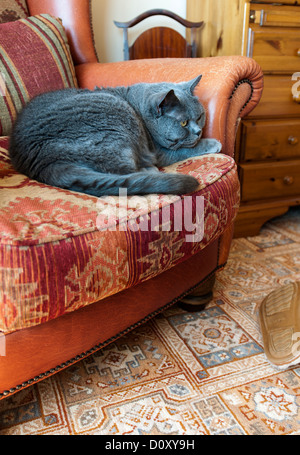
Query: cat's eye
183,124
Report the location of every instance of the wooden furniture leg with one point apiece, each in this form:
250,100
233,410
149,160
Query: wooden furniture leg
200,297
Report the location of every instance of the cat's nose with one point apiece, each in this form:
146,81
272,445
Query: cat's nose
198,132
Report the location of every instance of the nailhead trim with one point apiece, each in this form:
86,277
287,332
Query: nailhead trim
92,29
99,346
243,81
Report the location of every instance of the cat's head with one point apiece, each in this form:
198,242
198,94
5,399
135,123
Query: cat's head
173,114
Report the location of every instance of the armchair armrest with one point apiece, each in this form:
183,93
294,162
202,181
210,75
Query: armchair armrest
229,89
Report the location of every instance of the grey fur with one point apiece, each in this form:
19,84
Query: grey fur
98,141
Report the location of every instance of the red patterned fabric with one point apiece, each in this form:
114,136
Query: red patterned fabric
34,58
62,250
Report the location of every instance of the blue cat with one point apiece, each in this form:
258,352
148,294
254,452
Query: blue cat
98,141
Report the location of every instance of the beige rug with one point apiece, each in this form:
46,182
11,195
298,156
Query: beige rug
183,373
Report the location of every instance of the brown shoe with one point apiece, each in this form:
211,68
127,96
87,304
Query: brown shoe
279,316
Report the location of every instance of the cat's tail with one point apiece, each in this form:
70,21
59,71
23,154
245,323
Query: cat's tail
139,183
85,180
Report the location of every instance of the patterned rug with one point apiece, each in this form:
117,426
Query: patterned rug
183,373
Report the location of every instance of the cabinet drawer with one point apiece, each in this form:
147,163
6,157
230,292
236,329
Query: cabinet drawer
275,16
271,180
287,2
276,50
277,98
270,140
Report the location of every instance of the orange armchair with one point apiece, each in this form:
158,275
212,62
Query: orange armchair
230,88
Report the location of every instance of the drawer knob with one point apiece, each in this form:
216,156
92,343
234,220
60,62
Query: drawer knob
252,17
298,52
292,140
288,180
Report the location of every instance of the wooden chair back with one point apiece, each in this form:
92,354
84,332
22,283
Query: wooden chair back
160,42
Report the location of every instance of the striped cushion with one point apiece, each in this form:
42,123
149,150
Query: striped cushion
34,58
12,10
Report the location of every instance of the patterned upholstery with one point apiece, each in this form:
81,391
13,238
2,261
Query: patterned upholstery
12,10
62,250
34,58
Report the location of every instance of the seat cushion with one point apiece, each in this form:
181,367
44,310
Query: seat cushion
34,58
62,250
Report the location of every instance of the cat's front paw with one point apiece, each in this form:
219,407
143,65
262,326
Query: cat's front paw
210,146
153,169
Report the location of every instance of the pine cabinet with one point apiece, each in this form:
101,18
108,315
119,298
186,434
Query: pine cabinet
268,141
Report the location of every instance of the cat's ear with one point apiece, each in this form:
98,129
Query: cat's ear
193,83
166,103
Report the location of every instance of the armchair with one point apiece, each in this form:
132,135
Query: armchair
65,296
